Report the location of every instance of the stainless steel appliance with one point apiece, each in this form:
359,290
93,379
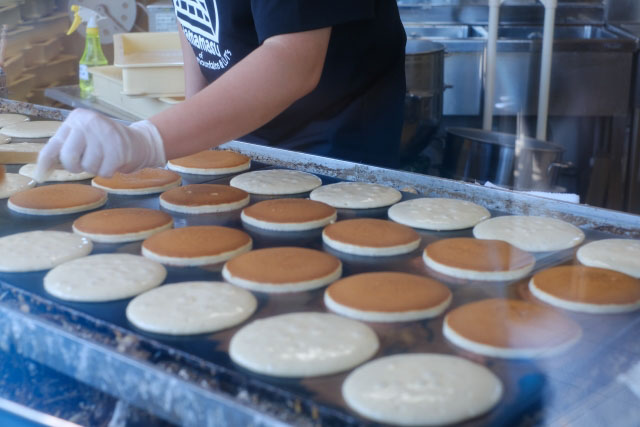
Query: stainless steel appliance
515,161
424,70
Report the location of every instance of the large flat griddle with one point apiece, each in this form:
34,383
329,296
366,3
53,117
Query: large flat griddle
192,381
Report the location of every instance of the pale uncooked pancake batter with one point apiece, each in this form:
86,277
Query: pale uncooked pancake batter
438,214
276,182
35,129
104,277
191,308
356,195
56,174
40,250
622,255
57,199
283,269
387,297
14,183
303,345
144,181
531,233
370,237
510,328
122,224
587,289
196,245
7,119
474,259
289,214
421,389
204,198
211,162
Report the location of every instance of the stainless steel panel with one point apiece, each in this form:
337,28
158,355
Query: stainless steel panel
582,83
623,10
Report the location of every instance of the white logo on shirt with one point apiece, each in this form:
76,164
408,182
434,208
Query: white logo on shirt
195,16
201,26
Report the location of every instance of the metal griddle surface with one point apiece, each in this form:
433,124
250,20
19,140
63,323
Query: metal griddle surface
529,385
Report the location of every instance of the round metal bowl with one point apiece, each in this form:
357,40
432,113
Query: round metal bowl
504,159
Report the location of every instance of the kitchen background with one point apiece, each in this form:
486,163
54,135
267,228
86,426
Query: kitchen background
594,109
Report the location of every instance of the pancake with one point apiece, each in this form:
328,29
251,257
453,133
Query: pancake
40,250
421,390
13,183
387,297
509,328
285,269
20,152
122,224
197,245
276,182
55,175
356,195
289,214
587,289
370,237
204,198
35,129
211,162
530,233
103,277
7,119
621,255
57,199
302,345
191,308
438,214
144,181
474,259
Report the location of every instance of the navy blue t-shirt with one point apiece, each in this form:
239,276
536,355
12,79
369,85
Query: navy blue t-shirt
356,111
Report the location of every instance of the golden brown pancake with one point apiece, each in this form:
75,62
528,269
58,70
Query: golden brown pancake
63,198
288,268
377,234
211,161
122,224
144,181
388,292
510,328
196,245
577,285
196,196
478,255
285,214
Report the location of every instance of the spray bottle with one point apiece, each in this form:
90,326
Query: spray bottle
92,55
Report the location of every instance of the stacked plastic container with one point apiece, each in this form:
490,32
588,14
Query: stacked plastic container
34,52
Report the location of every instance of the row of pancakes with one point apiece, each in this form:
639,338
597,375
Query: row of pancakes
494,327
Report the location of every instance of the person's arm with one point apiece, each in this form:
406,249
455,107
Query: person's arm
279,72
194,80
254,91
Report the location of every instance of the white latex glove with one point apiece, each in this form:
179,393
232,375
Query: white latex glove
88,141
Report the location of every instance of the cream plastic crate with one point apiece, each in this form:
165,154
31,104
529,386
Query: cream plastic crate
21,88
151,63
49,27
41,53
14,67
10,16
18,39
107,87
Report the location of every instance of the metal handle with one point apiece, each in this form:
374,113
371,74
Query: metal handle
566,166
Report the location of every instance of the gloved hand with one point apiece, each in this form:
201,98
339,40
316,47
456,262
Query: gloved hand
88,141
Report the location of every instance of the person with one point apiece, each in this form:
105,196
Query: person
321,76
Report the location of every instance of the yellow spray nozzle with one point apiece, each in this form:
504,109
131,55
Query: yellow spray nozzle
77,19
